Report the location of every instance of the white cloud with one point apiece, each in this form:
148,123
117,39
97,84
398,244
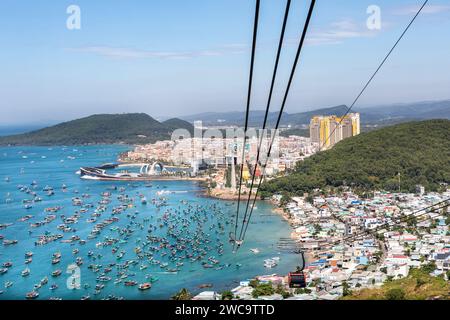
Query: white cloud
428,9
131,53
337,32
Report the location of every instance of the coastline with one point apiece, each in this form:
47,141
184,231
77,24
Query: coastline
225,194
308,255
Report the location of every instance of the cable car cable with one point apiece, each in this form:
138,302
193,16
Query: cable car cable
269,99
398,221
250,81
376,71
361,92
291,77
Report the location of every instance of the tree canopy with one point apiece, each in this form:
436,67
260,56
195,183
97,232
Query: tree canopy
418,151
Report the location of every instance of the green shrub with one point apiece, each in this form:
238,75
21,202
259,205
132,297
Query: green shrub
395,294
263,289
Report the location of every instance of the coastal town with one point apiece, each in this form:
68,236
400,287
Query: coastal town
217,160
367,260
349,242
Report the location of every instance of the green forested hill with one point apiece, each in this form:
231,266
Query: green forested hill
102,128
176,123
420,151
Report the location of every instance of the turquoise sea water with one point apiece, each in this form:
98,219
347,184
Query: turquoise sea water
186,213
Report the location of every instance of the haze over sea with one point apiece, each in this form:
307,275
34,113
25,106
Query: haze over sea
55,166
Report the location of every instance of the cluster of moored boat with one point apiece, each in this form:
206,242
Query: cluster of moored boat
165,242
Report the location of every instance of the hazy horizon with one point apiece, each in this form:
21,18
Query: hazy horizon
21,127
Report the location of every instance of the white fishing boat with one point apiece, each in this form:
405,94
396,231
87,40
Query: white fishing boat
26,272
270,263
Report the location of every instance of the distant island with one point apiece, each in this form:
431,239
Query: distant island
418,151
131,128
371,117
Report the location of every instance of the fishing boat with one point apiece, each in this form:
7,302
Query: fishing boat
28,254
7,264
103,279
130,283
8,284
99,287
270,263
145,286
32,295
79,261
5,225
77,202
47,188
56,273
26,272
53,287
3,270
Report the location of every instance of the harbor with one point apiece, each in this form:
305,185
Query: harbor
63,237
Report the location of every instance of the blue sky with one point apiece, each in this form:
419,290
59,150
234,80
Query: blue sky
175,57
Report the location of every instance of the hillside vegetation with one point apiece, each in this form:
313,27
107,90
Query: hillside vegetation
129,128
418,285
419,151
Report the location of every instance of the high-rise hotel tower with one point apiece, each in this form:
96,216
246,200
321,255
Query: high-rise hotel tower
329,130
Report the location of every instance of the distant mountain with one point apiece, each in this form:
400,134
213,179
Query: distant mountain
303,118
232,118
256,118
176,123
128,128
370,116
405,112
419,151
